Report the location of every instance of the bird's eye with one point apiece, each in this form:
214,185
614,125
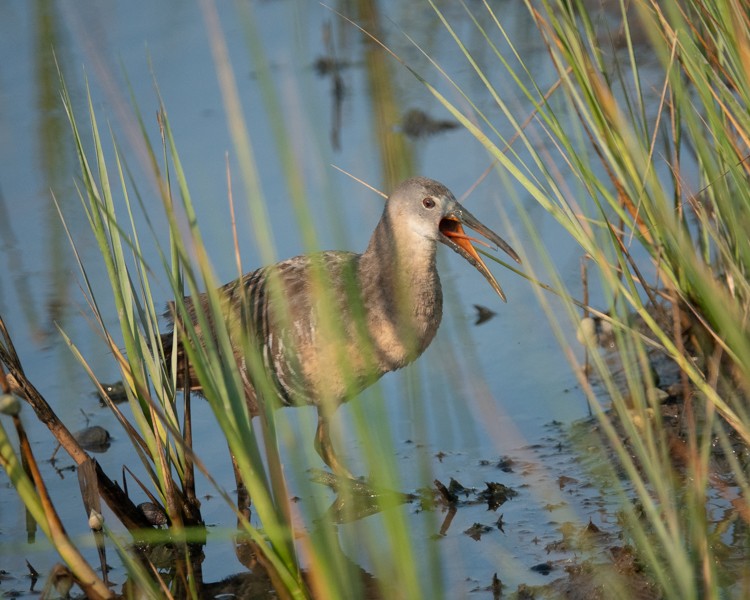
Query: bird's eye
428,202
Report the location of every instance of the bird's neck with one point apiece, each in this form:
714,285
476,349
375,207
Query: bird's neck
401,290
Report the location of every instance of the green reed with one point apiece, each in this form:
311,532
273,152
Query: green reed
301,557
605,153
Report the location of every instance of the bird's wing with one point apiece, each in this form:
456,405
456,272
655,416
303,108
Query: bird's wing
296,313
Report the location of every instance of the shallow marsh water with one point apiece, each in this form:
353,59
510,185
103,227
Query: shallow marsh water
485,392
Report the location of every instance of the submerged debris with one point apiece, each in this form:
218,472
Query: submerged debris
155,514
327,65
115,391
446,494
417,123
94,438
484,314
563,481
477,530
496,494
457,489
544,568
500,524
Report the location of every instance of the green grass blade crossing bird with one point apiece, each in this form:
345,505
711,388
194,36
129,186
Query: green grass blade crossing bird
327,325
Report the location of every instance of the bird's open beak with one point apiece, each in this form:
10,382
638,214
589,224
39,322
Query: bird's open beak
453,235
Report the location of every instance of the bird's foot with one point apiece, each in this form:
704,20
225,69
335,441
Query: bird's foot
357,498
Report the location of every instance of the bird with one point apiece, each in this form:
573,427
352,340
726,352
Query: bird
322,327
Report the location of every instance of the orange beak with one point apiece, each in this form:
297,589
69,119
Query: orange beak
454,236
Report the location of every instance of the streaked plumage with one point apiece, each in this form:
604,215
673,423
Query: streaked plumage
327,325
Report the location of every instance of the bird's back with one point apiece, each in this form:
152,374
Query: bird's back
306,322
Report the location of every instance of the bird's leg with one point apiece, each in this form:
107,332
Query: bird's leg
244,548
243,495
324,448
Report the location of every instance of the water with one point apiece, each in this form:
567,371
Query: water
511,378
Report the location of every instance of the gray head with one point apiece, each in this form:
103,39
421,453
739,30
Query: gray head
431,210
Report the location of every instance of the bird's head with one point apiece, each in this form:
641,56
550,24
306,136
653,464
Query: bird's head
431,210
